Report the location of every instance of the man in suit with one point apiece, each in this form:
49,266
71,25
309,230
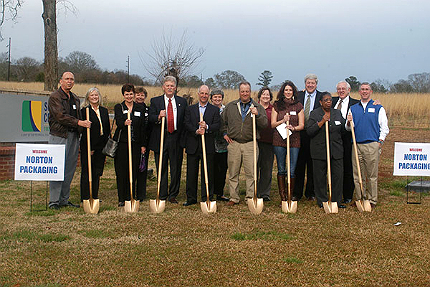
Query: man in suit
195,128
343,103
317,133
171,107
310,99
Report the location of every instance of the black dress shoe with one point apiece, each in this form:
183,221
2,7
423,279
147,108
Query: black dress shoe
121,204
320,205
54,206
311,198
348,200
173,200
70,204
222,198
266,198
188,203
295,198
341,206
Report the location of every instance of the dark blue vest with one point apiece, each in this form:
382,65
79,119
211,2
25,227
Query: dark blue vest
366,122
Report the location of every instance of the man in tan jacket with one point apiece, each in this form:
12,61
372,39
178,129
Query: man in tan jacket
237,130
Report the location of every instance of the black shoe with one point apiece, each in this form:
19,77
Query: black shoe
54,206
266,198
341,206
70,204
320,205
188,203
295,198
311,198
222,198
346,201
121,204
173,200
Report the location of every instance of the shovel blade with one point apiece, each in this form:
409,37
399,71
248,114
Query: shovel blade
366,205
289,207
330,207
157,208
208,209
255,205
91,206
131,206
359,205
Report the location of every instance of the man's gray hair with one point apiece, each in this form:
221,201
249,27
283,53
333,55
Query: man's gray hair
170,79
311,77
343,82
198,91
87,102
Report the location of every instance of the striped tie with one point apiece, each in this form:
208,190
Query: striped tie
339,106
307,108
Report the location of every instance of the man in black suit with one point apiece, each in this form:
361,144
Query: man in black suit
343,103
171,107
310,99
317,133
195,128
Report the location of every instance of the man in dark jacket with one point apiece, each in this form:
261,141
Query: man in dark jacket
65,124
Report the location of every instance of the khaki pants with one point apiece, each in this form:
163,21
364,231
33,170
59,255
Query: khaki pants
368,156
238,154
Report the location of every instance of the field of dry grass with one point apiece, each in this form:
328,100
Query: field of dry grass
183,247
412,108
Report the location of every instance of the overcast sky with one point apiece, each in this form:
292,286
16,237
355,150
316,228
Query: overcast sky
370,39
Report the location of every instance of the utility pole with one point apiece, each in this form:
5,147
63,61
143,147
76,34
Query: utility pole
8,62
128,69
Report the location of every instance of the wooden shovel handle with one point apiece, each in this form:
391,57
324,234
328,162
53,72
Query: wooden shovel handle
205,167
328,160
160,160
254,140
130,160
90,177
360,180
288,164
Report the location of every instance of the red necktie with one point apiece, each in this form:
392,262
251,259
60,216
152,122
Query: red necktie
170,121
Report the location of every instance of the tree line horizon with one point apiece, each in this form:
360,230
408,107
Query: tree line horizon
86,70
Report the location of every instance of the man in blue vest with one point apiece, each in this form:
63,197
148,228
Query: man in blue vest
371,128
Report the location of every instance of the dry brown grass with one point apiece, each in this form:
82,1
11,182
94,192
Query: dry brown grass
182,247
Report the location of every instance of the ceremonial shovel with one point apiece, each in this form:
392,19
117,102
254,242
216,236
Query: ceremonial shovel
362,204
208,206
90,205
329,207
255,204
132,205
157,205
289,206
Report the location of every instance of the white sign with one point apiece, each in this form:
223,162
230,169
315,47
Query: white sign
411,159
39,162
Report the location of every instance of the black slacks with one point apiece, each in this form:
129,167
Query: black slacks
97,165
320,180
192,176
122,170
220,171
304,164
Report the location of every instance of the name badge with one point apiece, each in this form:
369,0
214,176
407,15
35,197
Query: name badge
371,110
337,123
74,107
146,114
125,112
293,113
137,114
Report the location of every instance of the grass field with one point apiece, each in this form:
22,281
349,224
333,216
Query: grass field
183,247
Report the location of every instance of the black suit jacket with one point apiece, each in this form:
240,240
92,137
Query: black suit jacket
157,104
301,99
97,141
351,102
138,122
318,135
192,119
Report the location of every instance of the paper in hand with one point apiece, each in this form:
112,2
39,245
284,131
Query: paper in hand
282,130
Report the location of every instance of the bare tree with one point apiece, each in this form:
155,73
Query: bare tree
8,11
171,57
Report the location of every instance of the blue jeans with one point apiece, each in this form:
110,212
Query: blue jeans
281,156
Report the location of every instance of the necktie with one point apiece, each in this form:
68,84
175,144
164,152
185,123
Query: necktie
307,108
339,106
170,121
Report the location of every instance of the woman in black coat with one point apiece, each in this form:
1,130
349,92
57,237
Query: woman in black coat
138,141
99,133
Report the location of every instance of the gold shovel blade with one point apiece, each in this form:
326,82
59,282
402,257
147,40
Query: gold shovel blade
255,205
359,205
91,206
366,206
208,209
330,207
289,207
157,208
131,206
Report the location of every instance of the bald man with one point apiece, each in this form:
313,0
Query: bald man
64,126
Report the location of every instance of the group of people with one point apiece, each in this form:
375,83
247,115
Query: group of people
228,139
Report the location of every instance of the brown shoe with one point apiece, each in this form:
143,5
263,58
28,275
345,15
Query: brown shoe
231,203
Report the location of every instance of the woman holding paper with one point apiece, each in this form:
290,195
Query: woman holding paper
287,109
